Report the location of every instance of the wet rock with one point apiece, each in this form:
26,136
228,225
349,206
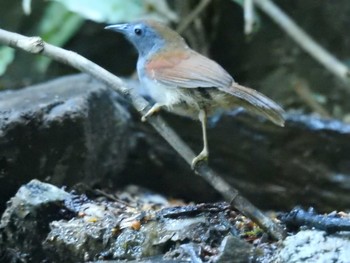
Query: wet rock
235,250
43,222
156,259
25,223
65,131
79,239
305,163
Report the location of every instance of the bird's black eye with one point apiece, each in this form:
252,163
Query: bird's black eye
138,31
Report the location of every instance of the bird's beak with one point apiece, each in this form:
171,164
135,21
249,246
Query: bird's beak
118,28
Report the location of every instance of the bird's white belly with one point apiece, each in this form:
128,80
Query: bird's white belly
162,94
174,99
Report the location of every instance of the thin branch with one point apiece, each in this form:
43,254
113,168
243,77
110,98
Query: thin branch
191,16
36,46
330,223
248,8
304,92
305,41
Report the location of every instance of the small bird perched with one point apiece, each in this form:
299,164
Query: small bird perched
187,83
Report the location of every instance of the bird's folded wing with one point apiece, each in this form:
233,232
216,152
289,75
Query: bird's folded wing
187,69
192,70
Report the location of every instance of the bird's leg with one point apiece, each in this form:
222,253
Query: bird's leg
155,108
203,155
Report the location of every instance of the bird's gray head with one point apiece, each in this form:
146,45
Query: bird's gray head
148,36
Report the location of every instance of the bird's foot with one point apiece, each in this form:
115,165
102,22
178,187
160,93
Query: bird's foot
202,157
155,108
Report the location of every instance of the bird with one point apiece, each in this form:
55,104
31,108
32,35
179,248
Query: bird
182,81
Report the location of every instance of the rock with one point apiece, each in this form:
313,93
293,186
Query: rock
69,130
45,223
305,163
25,223
315,246
235,250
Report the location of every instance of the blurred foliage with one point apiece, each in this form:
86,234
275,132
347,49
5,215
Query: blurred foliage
26,6
105,11
7,55
57,26
347,62
240,2
62,19
114,11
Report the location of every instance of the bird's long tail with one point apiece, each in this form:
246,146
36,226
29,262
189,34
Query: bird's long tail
257,103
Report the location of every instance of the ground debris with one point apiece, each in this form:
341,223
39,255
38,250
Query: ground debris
46,223
331,223
133,224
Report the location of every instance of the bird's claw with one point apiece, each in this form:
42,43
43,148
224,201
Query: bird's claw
155,108
202,157
144,118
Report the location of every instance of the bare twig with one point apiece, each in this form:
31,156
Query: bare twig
36,46
304,92
248,16
330,223
191,16
305,41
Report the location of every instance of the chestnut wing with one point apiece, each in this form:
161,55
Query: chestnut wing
187,69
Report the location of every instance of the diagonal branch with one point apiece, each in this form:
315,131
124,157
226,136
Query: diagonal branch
331,63
36,46
192,16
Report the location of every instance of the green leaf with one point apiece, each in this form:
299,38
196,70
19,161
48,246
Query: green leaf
347,62
113,11
240,2
57,26
7,55
105,11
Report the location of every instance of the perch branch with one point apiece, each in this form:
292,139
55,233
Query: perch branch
305,41
36,46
